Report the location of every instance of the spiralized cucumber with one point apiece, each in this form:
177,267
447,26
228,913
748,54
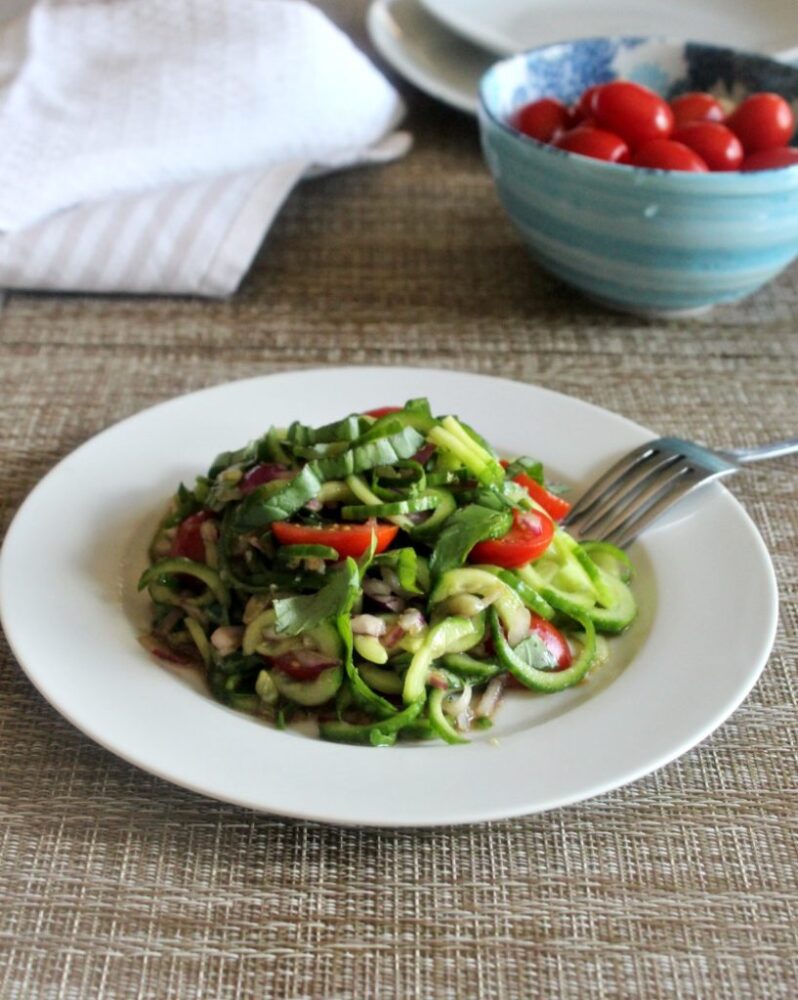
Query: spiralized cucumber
367,610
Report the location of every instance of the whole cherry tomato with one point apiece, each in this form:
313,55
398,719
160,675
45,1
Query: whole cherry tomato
595,143
633,112
696,106
583,109
717,145
762,121
771,159
664,154
542,119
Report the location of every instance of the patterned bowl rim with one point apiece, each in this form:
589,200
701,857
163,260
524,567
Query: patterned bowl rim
755,180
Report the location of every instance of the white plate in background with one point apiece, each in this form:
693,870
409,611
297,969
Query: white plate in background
506,26
426,54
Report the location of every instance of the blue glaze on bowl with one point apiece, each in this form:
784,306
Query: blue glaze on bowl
648,241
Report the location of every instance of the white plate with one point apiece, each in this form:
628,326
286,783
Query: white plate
506,26
425,53
71,613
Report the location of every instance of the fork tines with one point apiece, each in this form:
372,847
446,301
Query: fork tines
635,491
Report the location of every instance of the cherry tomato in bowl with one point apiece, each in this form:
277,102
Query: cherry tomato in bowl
633,112
696,106
665,154
542,119
716,144
762,121
771,159
595,143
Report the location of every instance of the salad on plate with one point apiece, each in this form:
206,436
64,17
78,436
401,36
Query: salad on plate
386,577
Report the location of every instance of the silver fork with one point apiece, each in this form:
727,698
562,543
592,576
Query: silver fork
649,480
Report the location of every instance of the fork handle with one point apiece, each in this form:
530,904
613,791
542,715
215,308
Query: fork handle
774,450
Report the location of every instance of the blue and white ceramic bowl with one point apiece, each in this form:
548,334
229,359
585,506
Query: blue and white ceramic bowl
641,240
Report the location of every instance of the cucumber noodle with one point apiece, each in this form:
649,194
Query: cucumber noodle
331,573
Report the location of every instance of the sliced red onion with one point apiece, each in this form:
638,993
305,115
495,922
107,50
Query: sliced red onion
303,664
369,625
396,634
437,681
314,504
491,697
263,474
227,638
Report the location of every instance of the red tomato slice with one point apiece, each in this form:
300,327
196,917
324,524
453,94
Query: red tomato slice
188,542
347,539
527,539
555,506
550,502
553,639
381,411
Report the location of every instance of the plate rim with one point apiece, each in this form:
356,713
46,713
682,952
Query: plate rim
379,17
38,679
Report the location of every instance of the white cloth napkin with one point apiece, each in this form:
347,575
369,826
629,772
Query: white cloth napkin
146,145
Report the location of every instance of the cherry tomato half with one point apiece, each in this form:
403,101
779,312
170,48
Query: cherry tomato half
595,143
347,539
771,159
554,641
188,542
762,121
381,411
527,539
696,106
633,112
717,145
664,154
554,506
542,119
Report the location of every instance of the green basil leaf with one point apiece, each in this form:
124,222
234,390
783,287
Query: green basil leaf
337,597
462,531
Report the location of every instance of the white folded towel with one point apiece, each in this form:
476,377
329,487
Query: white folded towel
146,145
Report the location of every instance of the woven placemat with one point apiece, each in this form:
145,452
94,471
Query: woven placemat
116,884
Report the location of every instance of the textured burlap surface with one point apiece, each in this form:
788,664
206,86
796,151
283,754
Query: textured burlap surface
116,884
